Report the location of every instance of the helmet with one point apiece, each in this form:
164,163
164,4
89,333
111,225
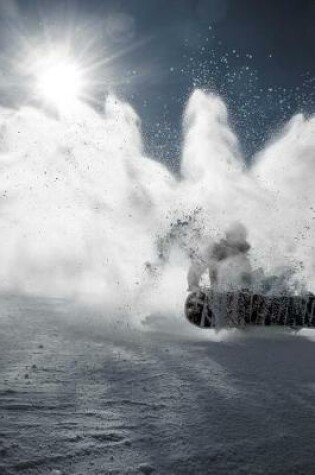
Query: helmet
236,233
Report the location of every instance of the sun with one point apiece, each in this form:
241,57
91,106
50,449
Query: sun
59,81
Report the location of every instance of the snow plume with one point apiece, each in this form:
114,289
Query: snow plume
84,214
79,203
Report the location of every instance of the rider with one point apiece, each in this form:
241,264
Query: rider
226,260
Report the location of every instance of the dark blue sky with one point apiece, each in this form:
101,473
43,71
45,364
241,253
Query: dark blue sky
259,55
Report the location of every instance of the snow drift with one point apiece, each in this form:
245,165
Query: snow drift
85,214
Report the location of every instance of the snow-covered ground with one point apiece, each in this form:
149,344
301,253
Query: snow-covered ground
78,396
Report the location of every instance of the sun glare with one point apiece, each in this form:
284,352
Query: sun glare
59,82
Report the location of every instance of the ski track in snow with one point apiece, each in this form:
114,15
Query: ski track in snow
78,396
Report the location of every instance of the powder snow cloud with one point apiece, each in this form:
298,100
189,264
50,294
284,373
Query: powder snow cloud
82,207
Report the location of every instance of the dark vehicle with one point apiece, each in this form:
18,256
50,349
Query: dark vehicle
208,309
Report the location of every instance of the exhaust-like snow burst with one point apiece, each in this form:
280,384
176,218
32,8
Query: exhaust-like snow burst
84,214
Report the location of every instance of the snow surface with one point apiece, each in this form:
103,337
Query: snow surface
84,216
80,395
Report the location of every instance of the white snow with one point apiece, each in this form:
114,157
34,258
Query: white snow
82,207
99,371
104,399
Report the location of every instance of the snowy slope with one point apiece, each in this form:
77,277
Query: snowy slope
82,396
86,215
